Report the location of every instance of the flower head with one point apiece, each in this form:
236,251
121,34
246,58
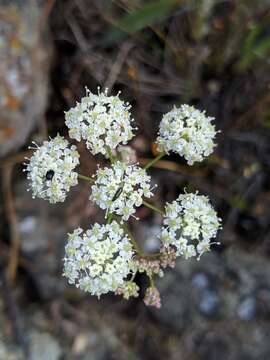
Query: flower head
121,188
188,132
190,223
102,121
152,297
98,260
51,169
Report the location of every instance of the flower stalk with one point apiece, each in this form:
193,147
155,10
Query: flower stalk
152,207
155,160
87,178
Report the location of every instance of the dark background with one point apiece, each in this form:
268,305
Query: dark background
212,54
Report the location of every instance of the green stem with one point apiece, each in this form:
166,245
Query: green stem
156,159
134,242
152,207
152,284
111,157
132,239
110,218
153,255
87,178
133,276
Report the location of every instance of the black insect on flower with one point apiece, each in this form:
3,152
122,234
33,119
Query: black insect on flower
49,174
120,189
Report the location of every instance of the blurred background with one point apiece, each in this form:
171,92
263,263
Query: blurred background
213,54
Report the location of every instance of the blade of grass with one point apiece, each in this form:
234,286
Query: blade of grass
148,15
253,48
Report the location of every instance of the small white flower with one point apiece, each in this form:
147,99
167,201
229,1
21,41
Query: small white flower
121,188
98,260
188,132
102,121
51,169
188,221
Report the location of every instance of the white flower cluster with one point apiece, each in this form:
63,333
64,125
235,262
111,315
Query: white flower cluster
190,223
121,188
102,121
188,132
98,261
51,169
101,259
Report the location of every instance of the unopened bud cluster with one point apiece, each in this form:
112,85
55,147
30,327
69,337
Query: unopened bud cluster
106,258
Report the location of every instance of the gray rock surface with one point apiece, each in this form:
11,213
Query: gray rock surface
219,306
43,233
44,347
23,72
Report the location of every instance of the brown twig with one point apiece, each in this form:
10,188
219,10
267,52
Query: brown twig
173,166
15,159
22,260
118,64
12,219
45,14
14,314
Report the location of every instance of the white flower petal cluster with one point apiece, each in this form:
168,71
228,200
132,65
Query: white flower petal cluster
121,188
97,261
51,169
188,132
190,223
102,121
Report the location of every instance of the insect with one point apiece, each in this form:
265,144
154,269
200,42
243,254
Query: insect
120,189
117,193
49,174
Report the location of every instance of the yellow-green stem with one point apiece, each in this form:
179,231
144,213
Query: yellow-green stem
110,218
111,157
87,178
132,239
152,207
152,283
156,159
134,242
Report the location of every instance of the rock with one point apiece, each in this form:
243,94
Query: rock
101,344
23,72
209,302
42,230
43,347
8,350
247,308
220,304
150,234
90,346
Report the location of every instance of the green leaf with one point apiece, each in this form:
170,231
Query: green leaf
148,15
253,48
